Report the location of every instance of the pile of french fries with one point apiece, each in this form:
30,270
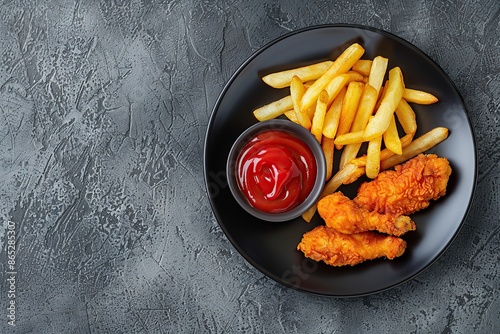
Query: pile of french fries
345,103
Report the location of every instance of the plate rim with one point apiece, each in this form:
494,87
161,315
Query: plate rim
237,72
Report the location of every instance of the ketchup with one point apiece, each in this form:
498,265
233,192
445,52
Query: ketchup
276,171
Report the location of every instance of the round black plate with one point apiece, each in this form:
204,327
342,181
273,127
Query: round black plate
271,247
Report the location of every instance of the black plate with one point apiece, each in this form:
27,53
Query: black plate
271,247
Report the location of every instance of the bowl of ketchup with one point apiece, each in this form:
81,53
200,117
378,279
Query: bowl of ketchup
276,170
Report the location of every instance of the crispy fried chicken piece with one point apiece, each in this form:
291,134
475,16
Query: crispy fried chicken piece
337,249
408,188
344,215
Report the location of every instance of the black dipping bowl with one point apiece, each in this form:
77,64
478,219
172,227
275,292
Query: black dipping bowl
295,130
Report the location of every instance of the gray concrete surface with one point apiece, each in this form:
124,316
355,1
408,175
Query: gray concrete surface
104,107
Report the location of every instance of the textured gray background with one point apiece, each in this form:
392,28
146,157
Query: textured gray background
104,107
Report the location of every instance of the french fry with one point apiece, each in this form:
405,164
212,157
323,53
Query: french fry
417,146
290,114
384,154
332,116
340,81
363,67
331,186
335,86
308,84
359,75
297,90
366,106
319,116
361,161
405,141
380,122
309,214
360,171
406,117
349,107
341,65
328,151
373,157
339,178
311,110
381,94
283,79
349,152
391,137
273,109
377,72
349,138
418,96
355,76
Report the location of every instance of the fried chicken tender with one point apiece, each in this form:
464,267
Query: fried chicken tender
337,249
344,215
408,188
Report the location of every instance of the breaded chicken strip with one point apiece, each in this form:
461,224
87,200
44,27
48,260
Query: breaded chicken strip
337,249
408,188
344,215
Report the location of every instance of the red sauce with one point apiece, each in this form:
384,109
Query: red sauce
276,171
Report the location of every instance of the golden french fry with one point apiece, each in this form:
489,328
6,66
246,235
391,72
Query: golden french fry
349,152
339,82
328,150
309,214
357,74
384,154
406,117
339,178
349,107
341,65
373,157
418,96
366,106
377,72
405,141
360,161
319,116
332,116
308,84
273,109
297,90
363,67
417,146
380,122
311,110
391,137
349,138
336,85
354,76
382,92
290,114
331,186
283,79
360,171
